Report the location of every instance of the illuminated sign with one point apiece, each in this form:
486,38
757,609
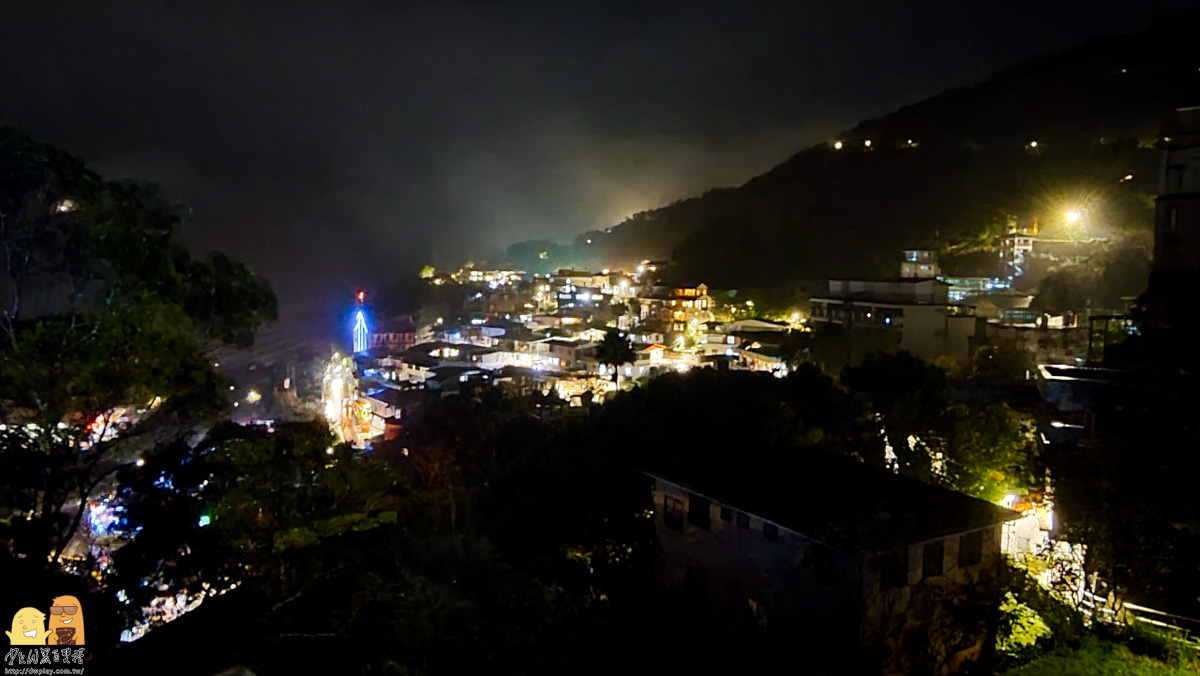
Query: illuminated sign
360,332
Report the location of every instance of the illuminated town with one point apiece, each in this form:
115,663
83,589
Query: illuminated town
468,340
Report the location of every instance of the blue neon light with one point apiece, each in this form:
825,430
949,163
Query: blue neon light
360,332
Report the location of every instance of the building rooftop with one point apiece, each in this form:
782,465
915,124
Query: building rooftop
1074,388
464,349
893,280
1071,372
395,326
443,373
398,398
418,359
837,501
765,337
526,372
754,321
379,352
886,299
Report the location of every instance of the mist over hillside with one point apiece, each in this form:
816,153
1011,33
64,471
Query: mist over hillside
1073,130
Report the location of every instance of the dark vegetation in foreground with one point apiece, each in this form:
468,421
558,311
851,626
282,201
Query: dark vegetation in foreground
499,532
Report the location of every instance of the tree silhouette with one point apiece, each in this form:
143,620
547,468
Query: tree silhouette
615,351
103,312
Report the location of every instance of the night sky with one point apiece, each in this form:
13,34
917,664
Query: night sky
339,144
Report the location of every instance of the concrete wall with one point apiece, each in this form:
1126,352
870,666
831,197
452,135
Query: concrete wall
936,624
930,332
930,290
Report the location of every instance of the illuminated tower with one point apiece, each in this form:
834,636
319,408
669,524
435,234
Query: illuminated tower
360,331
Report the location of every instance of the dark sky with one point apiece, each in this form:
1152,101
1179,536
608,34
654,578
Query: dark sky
344,143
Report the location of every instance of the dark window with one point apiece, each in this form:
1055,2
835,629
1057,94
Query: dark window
743,520
673,512
771,532
698,511
893,569
970,548
726,513
933,558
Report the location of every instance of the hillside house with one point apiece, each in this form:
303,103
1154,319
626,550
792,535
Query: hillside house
840,558
911,314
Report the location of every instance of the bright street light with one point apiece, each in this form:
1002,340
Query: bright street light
1073,216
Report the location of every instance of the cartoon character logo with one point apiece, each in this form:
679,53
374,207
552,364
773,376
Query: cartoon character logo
28,628
66,621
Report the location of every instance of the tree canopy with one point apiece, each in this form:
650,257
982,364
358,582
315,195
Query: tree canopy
615,351
105,321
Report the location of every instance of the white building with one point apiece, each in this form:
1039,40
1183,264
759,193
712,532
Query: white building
909,314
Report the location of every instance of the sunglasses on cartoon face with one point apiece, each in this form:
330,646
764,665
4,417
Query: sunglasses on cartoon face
59,610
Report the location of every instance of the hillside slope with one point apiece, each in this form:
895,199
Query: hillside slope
945,172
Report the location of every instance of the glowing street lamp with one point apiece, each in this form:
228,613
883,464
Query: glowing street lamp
1073,216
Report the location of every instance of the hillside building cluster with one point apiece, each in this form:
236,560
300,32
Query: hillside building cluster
544,334
871,564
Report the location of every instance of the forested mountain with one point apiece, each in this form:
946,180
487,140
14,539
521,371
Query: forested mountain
1057,133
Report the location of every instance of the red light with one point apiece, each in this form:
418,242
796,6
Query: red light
361,295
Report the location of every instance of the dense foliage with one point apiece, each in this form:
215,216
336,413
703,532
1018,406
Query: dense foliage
986,450
1094,656
103,313
105,324
496,532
